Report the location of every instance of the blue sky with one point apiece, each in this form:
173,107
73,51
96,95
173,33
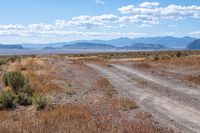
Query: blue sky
42,21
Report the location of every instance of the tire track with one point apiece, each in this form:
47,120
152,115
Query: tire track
166,110
190,91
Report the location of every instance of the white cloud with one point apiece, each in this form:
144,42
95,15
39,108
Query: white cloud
41,26
145,26
105,17
13,33
85,24
100,2
149,13
175,18
95,34
88,22
11,27
60,23
72,34
195,33
144,20
172,25
196,15
171,11
171,33
126,9
149,4
143,15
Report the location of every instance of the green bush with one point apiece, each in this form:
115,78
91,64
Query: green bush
26,87
178,55
15,80
41,102
24,99
2,61
156,57
13,58
7,59
7,100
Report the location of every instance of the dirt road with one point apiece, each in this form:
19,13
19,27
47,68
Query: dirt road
170,103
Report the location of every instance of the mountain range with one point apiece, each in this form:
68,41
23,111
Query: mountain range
2,46
194,45
89,46
144,43
167,41
142,46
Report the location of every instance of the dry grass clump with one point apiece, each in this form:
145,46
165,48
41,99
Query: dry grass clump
144,65
193,78
41,82
126,104
104,85
143,115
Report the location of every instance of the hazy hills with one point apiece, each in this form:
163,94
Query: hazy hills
194,45
2,46
142,46
168,41
144,43
89,46
99,46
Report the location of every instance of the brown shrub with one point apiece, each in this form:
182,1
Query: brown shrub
104,85
193,78
144,65
126,104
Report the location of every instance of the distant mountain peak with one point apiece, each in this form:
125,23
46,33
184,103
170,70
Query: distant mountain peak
166,41
194,45
15,46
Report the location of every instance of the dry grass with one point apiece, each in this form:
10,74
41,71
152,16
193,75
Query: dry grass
126,104
104,85
193,78
105,113
76,119
190,61
39,74
144,65
181,68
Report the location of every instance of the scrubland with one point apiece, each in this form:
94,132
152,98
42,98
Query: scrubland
76,98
